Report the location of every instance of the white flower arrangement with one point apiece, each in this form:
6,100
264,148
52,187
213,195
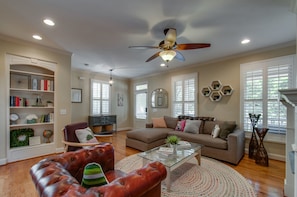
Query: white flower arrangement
31,117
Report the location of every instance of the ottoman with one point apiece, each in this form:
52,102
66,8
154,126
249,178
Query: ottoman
146,138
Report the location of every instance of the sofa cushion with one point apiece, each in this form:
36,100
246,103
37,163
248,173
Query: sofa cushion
204,139
192,126
227,128
208,127
148,135
170,122
159,122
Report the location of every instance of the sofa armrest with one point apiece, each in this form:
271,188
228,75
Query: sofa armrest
136,183
236,143
149,125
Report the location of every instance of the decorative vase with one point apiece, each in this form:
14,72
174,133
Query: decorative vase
48,134
253,145
174,146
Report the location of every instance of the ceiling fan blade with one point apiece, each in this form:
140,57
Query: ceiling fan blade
153,57
192,46
179,56
144,47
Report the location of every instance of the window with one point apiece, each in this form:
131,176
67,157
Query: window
184,95
141,100
260,82
100,97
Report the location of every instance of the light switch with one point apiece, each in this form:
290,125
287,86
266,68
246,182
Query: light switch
63,111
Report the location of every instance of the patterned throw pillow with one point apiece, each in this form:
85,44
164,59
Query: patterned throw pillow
93,176
180,125
85,136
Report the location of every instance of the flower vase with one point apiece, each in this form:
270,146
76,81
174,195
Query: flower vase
174,146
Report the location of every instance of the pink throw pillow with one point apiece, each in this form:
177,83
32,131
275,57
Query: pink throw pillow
180,125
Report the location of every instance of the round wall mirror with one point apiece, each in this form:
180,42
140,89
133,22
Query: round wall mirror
159,98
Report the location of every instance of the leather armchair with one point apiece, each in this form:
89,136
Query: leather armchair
61,175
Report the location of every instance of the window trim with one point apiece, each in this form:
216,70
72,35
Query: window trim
91,96
137,92
183,78
263,64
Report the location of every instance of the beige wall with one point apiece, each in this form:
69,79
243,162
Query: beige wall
62,88
228,72
81,111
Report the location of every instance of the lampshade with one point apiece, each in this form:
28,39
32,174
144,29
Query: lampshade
167,55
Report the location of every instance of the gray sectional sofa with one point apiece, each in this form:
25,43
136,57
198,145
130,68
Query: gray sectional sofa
228,146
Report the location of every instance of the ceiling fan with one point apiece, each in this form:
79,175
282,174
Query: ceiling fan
169,47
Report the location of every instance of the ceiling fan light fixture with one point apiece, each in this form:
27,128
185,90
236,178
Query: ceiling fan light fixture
167,55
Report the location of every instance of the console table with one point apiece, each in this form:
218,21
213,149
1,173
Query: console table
105,124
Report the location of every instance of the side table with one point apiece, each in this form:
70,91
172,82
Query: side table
261,154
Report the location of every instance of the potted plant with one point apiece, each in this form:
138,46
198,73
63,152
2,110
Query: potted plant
172,139
50,103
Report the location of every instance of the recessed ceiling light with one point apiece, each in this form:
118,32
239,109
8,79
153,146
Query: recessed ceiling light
245,41
49,22
37,37
162,64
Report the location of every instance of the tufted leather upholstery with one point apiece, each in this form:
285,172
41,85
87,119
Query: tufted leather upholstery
61,175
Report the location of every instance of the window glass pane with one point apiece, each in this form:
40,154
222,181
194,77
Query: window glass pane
189,90
105,91
189,109
141,87
96,106
253,85
105,106
178,91
96,90
141,105
178,109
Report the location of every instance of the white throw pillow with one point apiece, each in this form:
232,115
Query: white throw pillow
192,126
85,136
216,131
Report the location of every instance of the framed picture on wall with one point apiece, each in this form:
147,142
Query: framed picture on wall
76,95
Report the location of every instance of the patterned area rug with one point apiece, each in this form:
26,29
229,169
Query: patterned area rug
212,179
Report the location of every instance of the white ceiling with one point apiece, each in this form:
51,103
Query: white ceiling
99,32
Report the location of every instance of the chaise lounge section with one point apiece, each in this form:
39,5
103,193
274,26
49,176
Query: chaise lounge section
229,148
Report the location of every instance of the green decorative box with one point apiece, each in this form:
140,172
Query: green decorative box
32,121
20,137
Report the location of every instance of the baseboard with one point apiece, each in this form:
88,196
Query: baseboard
271,156
124,129
3,161
60,150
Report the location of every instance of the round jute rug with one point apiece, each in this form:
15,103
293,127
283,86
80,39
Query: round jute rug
212,179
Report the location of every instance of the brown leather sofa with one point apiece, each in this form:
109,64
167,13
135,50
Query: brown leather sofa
61,175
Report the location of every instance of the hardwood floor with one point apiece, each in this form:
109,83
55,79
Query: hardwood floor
15,180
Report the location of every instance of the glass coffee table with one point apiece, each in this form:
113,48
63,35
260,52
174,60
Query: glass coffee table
172,160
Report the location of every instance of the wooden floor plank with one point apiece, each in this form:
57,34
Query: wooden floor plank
15,180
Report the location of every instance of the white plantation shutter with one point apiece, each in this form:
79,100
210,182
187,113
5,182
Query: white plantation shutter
260,82
100,97
184,91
